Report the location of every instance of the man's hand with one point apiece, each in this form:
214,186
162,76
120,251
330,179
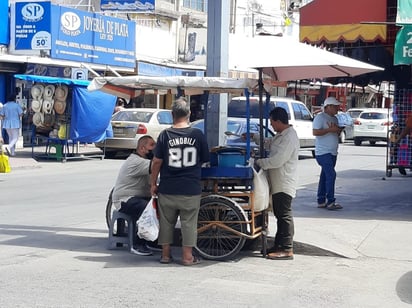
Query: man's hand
333,128
243,136
153,190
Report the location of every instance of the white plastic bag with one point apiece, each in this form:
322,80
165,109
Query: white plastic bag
148,223
260,190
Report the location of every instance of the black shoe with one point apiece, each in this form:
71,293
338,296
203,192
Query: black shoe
141,250
402,170
153,246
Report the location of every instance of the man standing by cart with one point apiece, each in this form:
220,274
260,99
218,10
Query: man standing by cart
282,171
179,154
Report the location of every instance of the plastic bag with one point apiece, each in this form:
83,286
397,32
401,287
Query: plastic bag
4,164
148,223
260,190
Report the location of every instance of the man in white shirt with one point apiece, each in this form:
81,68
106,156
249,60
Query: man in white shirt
282,171
327,131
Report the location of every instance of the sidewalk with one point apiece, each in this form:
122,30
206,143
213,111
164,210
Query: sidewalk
375,221
27,158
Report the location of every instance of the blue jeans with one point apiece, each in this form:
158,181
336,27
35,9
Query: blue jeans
326,186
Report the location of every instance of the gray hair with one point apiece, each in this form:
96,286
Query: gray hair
180,108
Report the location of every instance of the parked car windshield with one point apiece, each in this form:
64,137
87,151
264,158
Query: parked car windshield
132,116
354,113
373,115
237,108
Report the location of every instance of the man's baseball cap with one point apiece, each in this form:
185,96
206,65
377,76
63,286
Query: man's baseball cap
331,101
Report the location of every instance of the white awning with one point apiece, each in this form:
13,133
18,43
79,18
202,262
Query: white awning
131,86
56,62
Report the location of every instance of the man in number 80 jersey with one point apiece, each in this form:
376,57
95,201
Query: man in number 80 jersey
178,156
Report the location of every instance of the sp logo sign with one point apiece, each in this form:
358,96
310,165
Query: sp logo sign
32,12
70,23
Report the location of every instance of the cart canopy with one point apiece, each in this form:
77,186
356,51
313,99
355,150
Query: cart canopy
131,86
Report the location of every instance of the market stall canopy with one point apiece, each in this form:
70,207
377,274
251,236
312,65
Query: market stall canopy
132,86
334,20
89,113
284,59
52,80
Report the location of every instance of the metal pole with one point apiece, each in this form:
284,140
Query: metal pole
261,137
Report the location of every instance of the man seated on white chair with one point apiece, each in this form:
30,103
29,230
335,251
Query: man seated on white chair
131,192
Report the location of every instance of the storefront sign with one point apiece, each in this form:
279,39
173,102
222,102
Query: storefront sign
80,73
404,12
92,38
4,29
32,26
128,5
403,46
149,69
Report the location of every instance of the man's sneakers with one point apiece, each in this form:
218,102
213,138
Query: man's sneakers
333,206
153,246
330,206
141,250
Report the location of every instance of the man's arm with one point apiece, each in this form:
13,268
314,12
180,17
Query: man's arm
406,131
156,164
333,128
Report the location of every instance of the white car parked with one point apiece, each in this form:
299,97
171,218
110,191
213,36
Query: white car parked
299,115
372,125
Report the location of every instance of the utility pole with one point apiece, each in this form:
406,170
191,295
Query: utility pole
217,66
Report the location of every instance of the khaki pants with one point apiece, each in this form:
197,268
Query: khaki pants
170,208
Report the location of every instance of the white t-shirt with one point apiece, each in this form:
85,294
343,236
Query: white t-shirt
328,143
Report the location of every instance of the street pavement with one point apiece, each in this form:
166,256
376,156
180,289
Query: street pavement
360,256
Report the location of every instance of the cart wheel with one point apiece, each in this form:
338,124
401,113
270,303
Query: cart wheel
220,224
109,209
389,173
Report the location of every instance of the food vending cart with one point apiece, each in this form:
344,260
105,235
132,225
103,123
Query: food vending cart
228,214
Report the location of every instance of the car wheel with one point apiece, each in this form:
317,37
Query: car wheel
110,154
357,141
342,137
371,142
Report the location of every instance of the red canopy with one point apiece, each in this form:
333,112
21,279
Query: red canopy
335,20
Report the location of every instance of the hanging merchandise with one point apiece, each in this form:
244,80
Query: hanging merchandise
36,105
65,114
4,161
399,145
60,97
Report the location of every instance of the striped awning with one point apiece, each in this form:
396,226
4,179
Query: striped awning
350,20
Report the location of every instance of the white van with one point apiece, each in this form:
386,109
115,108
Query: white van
299,115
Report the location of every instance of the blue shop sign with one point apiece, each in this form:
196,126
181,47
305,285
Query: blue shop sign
148,69
4,15
128,5
32,30
92,38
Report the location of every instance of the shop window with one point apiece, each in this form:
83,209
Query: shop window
198,5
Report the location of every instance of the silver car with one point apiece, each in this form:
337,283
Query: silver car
130,124
346,121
